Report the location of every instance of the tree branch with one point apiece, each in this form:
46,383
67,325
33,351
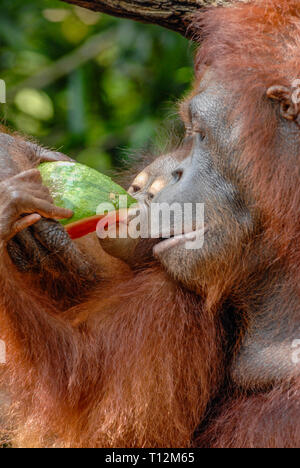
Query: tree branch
171,14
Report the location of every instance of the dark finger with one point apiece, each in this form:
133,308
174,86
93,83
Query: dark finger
30,176
44,208
24,250
41,259
40,193
24,223
19,256
40,154
53,156
55,239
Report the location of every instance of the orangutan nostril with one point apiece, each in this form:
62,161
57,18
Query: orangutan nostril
135,188
177,175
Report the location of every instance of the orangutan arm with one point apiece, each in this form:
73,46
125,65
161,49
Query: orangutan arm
36,336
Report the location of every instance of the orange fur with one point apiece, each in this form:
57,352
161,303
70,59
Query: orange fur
81,391
252,47
140,362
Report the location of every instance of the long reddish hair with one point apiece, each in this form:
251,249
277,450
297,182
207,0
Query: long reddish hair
141,364
143,358
251,47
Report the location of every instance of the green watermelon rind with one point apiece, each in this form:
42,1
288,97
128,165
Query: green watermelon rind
81,189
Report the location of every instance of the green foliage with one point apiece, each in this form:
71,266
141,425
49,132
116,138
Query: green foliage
91,109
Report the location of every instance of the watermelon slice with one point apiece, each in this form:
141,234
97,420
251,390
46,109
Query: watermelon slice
89,194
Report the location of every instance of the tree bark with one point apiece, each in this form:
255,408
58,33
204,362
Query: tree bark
171,14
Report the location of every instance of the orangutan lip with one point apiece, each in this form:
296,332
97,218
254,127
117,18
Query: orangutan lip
176,241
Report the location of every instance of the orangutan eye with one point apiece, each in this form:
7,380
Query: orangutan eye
202,134
195,130
177,175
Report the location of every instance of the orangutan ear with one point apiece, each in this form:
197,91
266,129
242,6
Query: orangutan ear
288,108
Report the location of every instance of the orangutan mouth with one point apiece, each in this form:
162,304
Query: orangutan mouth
193,240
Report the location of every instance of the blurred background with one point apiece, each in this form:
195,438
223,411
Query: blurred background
92,86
